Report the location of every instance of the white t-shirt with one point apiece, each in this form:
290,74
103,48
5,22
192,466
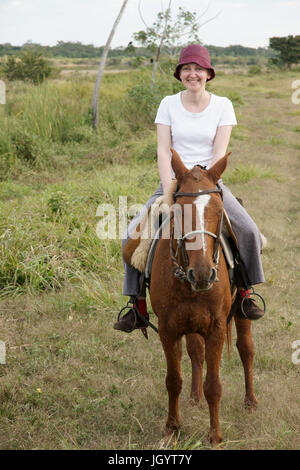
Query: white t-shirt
193,134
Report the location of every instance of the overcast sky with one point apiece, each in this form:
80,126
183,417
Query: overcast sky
246,22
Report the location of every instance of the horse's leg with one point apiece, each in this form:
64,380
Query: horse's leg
212,385
173,352
246,350
195,349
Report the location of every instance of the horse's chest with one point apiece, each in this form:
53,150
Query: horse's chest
186,317
197,321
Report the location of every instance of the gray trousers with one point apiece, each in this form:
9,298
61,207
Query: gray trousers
245,229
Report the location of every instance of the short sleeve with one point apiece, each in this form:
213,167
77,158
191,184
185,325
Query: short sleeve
228,115
163,116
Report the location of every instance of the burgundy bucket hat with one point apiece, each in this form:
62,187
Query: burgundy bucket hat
195,54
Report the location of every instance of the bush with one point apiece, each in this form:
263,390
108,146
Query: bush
6,150
31,66
58,203
148,151
146,101
26,146
254,70
137,62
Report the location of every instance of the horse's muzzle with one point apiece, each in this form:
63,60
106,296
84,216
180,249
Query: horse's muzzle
202,283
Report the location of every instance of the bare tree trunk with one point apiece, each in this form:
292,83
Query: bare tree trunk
159,47
102,65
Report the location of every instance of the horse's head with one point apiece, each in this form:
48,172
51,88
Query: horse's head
200,217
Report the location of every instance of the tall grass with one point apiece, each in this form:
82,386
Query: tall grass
38,120
70,380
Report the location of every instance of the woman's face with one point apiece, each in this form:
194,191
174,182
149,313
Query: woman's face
193,76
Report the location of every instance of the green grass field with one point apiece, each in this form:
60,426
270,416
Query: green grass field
72,382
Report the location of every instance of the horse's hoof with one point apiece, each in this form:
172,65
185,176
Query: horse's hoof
196,401
217,446
251,404
169,439
216,442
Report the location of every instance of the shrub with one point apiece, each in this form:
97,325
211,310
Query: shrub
31,66
148,151
26,146
6,151
58,203
254,70
146,101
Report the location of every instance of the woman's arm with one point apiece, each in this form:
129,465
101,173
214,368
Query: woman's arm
220,143
163,154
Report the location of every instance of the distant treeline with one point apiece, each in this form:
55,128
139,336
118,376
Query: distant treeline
79,50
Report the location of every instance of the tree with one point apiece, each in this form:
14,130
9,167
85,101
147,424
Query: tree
168,33
288,49
102,65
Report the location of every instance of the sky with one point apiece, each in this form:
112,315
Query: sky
247,22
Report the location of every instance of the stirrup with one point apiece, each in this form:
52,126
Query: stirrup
249,296
132,305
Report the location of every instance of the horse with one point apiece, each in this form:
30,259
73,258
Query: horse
191,295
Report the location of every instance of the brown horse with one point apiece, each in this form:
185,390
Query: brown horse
198,304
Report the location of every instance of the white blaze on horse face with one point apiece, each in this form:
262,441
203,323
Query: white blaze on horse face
200,203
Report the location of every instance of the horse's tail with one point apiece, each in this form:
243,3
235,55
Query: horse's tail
229,339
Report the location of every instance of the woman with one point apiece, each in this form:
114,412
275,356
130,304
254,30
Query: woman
197,124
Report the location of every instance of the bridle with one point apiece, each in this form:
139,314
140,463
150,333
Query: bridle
181,272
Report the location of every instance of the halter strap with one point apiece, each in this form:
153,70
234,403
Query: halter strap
195,232
200,193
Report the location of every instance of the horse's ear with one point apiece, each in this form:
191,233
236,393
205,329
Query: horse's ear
177,165
216,171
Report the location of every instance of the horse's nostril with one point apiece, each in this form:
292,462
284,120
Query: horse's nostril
191,276
213,275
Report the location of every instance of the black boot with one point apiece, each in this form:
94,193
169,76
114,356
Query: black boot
248,308
131,321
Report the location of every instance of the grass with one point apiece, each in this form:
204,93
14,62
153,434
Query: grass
243,174
71,381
